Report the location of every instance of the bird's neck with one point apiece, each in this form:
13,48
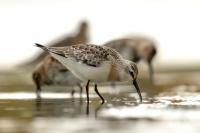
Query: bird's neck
118,74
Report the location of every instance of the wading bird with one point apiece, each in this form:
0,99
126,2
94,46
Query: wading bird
95,63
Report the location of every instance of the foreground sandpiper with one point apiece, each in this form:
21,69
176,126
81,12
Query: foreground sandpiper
93,63
135,49
52,72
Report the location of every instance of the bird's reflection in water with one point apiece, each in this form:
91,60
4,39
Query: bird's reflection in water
96,109
72,107
38,104
87,109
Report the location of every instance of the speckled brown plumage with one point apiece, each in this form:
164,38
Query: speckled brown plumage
89,54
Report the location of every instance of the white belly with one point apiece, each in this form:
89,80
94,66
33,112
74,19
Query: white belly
85,72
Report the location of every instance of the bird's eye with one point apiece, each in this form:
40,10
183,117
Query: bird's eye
131,73
133,68
63,70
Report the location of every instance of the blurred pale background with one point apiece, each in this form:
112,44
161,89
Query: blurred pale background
171,103
174,24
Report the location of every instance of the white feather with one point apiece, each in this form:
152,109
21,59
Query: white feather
85,72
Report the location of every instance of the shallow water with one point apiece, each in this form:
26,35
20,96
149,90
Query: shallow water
177,109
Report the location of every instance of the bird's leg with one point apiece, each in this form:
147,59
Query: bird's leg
96,90
72,92
81,89
38,91
87,90
36,79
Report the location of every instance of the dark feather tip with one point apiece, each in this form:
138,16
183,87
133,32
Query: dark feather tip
39,45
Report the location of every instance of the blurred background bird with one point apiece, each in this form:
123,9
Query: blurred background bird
79,36
51,72
135,49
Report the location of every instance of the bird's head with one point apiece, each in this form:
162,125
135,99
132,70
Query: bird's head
133,71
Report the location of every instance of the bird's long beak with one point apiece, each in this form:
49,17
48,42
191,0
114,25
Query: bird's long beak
136,86
151,73
137,89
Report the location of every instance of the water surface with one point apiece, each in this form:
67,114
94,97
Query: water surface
166,108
